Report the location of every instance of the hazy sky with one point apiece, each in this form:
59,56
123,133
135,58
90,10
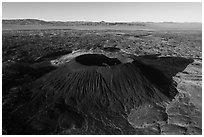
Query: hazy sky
135,11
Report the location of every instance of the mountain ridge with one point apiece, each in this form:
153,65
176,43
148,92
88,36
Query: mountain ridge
69,23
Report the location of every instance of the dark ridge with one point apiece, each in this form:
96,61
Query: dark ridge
96,60
169,66
37,69
21,73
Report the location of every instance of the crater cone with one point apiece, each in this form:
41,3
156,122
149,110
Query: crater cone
96,84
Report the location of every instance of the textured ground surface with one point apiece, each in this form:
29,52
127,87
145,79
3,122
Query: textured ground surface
183,114
27,53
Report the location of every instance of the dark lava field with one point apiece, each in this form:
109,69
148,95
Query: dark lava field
128,82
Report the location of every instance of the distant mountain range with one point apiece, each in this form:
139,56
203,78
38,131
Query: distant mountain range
30,24
67,23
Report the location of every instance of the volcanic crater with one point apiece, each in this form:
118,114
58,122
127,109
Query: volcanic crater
92,87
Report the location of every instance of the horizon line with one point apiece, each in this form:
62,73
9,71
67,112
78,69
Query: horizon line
100,21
